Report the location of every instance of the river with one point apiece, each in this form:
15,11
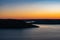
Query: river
44,32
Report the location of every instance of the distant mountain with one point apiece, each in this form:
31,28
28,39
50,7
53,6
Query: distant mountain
47,21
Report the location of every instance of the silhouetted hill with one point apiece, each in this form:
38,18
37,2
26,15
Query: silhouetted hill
12,23
15,23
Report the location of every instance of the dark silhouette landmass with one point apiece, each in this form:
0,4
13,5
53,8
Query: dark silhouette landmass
16,23
13,23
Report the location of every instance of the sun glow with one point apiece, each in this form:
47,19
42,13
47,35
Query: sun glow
34,10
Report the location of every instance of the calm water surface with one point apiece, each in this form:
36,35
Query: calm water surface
44,32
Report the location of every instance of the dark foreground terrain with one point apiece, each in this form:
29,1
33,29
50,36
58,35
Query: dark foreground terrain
13,23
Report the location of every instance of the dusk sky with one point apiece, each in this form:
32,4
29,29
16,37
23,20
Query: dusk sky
29,9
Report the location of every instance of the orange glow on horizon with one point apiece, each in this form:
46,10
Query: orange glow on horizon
32,13
32,16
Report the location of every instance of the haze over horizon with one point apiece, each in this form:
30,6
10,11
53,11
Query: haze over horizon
30,9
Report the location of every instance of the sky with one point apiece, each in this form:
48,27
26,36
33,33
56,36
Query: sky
29,9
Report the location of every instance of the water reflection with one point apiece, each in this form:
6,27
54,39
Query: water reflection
45,32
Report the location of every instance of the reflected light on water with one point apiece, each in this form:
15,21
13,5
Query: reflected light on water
44,32
48,26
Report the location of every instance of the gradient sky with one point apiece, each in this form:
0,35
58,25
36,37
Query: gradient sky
30,9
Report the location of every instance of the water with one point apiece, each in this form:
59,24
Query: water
44,32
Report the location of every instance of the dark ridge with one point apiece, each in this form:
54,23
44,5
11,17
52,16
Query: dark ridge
21,23
45,21
13,23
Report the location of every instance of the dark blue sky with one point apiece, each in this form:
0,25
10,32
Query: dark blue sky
24,1
5,2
